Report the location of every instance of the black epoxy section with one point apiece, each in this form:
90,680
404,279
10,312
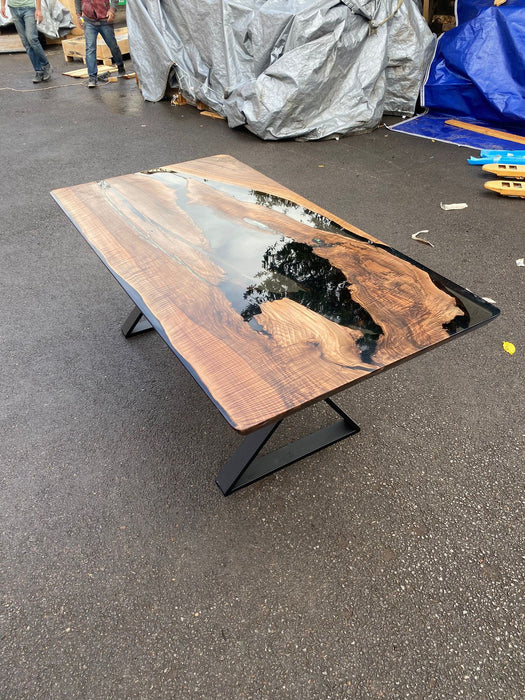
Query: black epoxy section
319,286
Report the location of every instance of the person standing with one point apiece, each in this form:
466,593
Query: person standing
98,16
26,14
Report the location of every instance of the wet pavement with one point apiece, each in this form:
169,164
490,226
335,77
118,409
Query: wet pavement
387,566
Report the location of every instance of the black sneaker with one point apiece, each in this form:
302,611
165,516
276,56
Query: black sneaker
92,82
122,71
47,72
39,76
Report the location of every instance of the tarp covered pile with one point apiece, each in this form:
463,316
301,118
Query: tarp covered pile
306,69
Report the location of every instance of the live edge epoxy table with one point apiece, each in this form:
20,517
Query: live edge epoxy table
270,302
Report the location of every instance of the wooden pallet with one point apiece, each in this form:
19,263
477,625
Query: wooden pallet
83,72
75,49
108,70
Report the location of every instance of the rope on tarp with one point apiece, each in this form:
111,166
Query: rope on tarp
373,27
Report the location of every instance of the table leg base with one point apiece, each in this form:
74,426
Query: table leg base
244,467
136,323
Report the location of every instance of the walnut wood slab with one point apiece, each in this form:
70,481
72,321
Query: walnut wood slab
270,302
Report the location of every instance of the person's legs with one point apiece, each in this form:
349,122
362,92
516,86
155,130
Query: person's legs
17,15
25,24
108,34
90,35
36,52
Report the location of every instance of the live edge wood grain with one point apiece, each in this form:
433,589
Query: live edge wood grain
178,250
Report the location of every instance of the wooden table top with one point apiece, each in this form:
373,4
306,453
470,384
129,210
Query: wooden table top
270,302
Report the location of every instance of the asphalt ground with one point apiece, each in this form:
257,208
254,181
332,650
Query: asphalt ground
387,566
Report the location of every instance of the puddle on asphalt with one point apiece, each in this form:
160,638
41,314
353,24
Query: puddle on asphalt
122,103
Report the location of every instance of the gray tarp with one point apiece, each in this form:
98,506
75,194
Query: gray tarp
307,69
56,21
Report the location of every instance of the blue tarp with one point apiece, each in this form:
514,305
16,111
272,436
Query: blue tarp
479,66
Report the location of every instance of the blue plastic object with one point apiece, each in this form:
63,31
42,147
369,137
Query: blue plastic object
506,153
509,157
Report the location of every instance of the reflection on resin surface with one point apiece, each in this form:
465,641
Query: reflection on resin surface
261,265
293,270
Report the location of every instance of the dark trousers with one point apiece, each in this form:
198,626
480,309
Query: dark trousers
106,31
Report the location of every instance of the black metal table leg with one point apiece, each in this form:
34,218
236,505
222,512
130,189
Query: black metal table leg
136,323
244,467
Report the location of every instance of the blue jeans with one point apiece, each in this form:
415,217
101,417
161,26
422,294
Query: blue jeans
107,32
25,23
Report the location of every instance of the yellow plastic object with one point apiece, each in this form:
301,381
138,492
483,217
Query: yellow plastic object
508,188
509,347
505,169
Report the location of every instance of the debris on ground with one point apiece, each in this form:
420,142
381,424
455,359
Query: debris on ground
211,113
509,347
178,100
520,262
416,237
459,205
